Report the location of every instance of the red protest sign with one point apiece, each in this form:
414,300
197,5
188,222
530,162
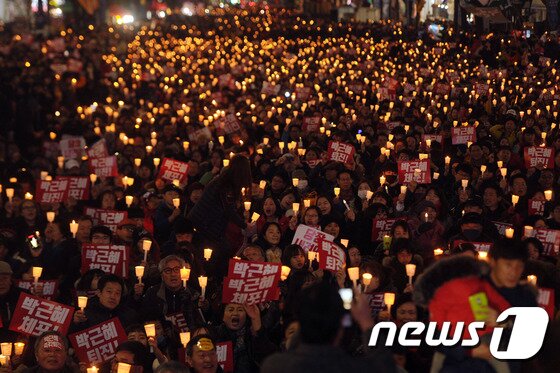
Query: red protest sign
415,170
479,246
104,167
98,344
340,152
302,93
550,239
224,350
501,227
178,320
270,89
229,124
72,147
109,218
535,156
386,94
463,135
311,124
109,258
98,150
308,238
251,282
381,227
34,316
433,138
78,186
171,170
54,191
331,256
49,287
536,207
545,299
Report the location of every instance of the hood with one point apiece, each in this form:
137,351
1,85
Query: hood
443,271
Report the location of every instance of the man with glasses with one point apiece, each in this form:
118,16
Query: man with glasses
170,298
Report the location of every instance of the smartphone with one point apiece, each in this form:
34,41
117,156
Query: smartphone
346,295
527,34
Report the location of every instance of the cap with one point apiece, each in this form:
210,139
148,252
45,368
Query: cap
5,269
71,163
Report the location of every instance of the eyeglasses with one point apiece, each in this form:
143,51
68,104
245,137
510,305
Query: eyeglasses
168,271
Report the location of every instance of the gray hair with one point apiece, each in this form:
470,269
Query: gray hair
167,259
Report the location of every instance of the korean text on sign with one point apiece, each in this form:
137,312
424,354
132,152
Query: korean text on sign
415,170
104,167
340,152
331,256
49,287
109,218
109,258
34,316
463,135
173,170
251,282
308,238
381,227
78,186
535,156
550,239
54,191
98,344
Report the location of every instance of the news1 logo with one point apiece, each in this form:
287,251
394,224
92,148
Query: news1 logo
527,334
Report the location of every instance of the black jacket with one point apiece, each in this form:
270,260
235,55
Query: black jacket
97,313
159,302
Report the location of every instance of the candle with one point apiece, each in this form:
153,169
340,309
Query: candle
74,228
438,252
344,242
483,169
382,180
528,231
410,271
92,370
185,274
389,299
185,338
532,279
60,160
295,208
207,253
93,178
464,184
306,203
137,162
262,184
509,232
123,368
311,256
447,160
369,194
150,330
366,278
3,360
50,216
6,348
82,302
428,143
336,191
285,273
295,181
176,202
354,275
221,140
225,162
503,172
436,175
483,255
139,270
203,281
36,271
146,246
156,162
18,348
548,195
176,182
514,199
255,217
247,205
500,164
28,196
426,217
10,193
128,200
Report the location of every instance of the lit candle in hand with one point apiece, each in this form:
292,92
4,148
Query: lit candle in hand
185,274
146,246
203,282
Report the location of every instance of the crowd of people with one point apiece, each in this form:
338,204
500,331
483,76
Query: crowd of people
431,161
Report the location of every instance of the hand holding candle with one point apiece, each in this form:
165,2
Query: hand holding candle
285,273
207,254
203,282
185,338
354,275
139,270
146,246
389,300
185,274
36,271
74,228
410,272
82,302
